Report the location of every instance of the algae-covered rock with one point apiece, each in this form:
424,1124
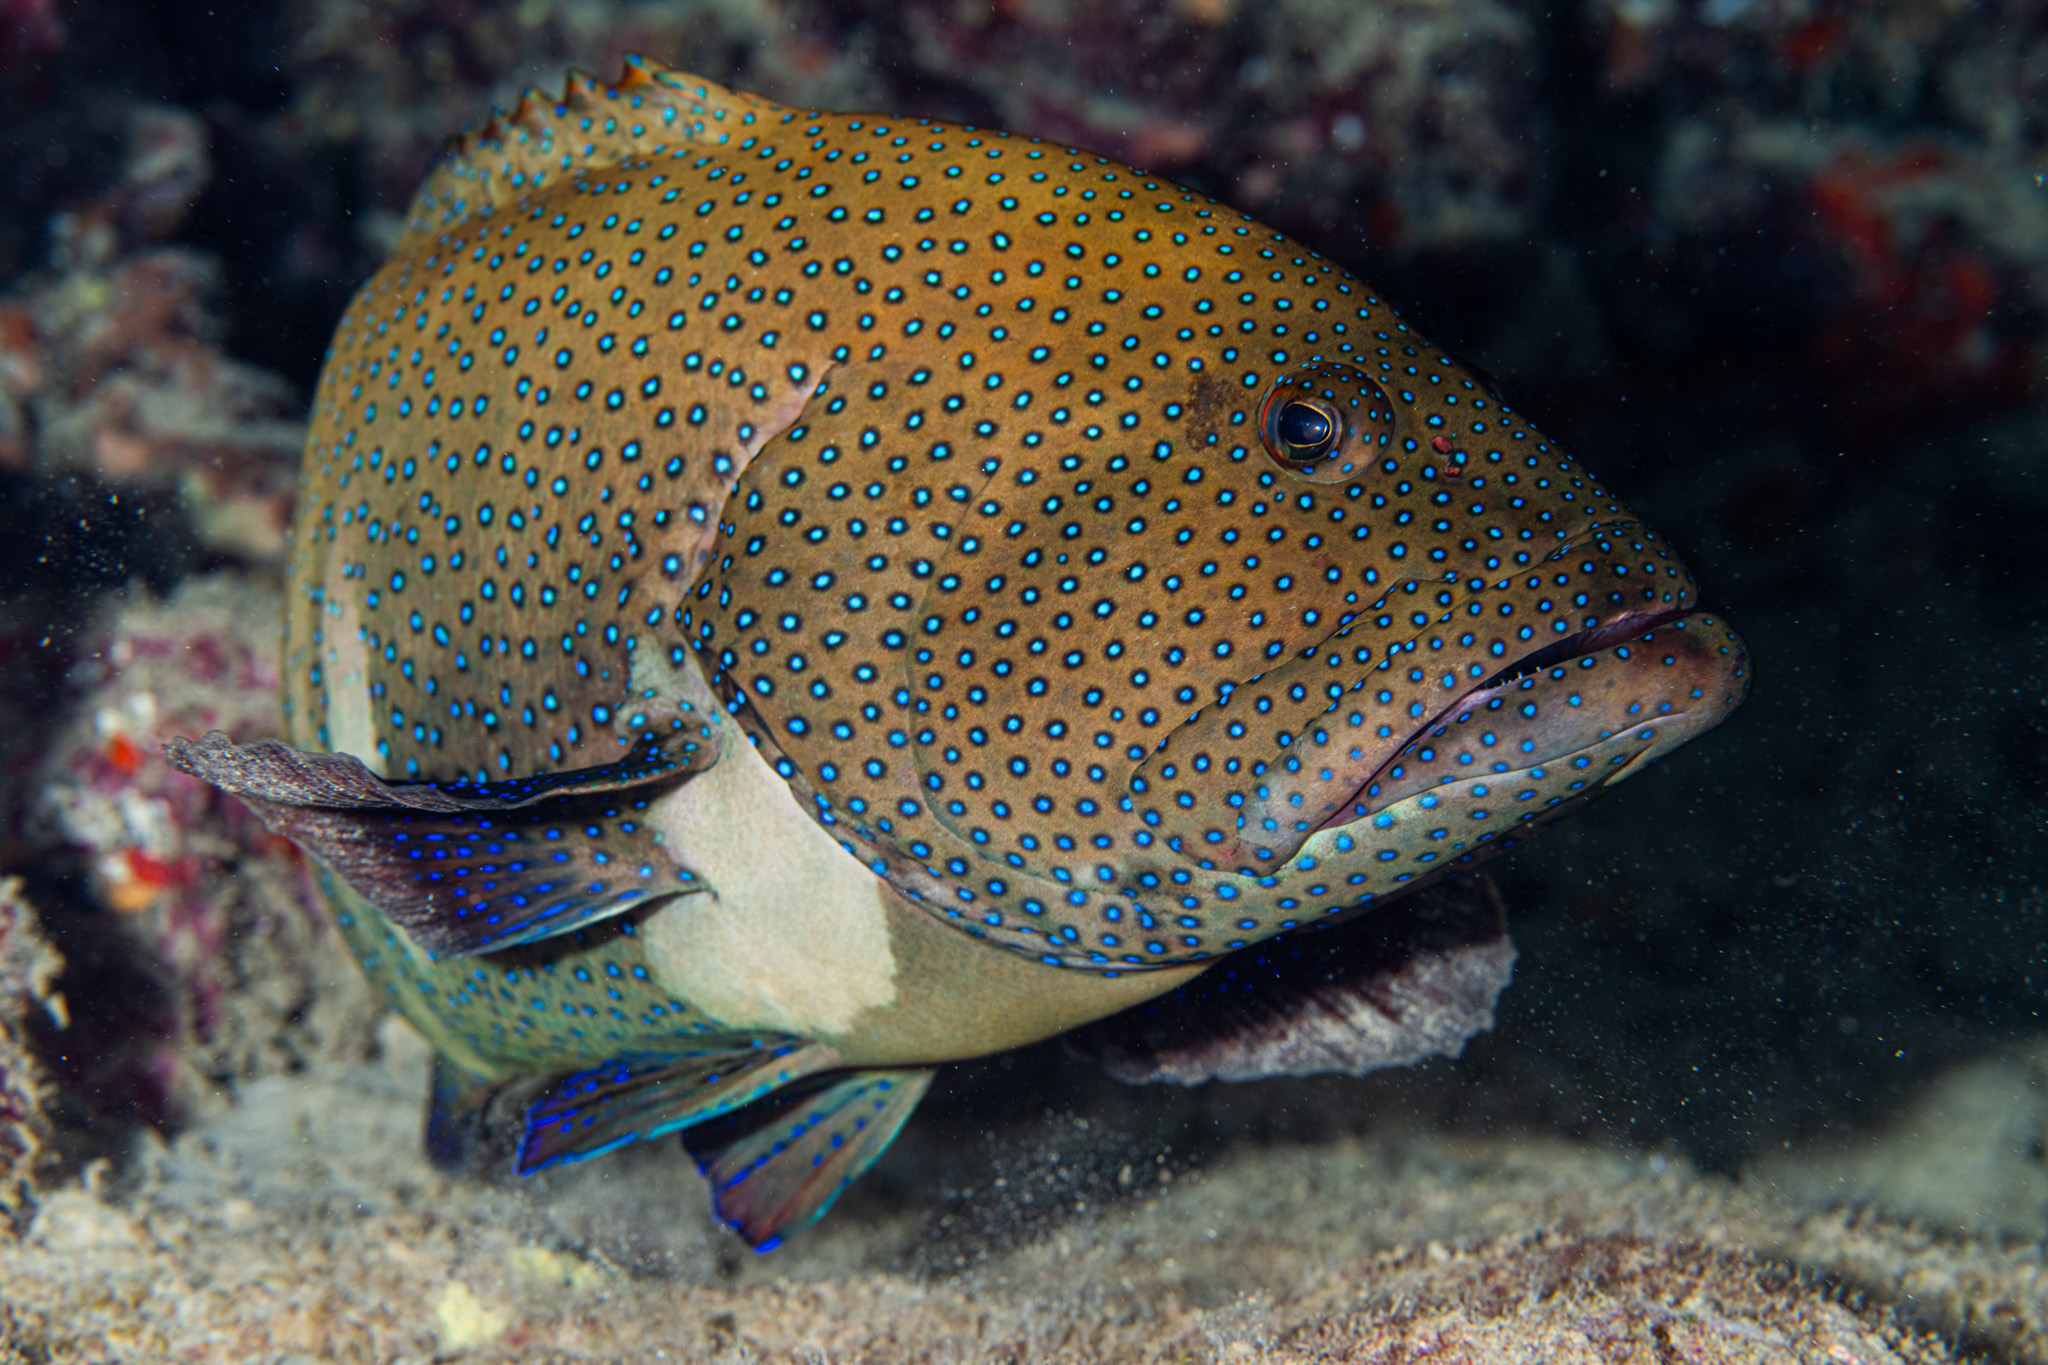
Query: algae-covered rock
29,967
112,366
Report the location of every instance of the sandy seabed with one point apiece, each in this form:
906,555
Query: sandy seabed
301,1223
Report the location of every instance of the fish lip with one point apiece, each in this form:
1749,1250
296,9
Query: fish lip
1625,626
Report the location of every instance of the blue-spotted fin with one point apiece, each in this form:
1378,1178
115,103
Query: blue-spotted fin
782,600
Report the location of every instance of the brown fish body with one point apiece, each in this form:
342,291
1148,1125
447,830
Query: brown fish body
1032,581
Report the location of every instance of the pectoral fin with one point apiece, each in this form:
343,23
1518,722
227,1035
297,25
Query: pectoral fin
466,867
776,1167
1412,980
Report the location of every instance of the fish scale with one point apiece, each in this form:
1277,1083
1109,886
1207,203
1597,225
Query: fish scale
836,593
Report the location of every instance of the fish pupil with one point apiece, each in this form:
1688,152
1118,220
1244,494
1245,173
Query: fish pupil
1305,428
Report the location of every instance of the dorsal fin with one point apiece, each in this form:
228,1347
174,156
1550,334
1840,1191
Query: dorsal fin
648,108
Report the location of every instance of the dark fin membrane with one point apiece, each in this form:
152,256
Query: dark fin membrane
1403,982
774,1170
270,771
455,1115
644,1095
465,867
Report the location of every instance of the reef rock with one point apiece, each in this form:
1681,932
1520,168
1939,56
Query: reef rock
29,967
220,914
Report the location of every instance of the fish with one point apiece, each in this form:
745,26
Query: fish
782,600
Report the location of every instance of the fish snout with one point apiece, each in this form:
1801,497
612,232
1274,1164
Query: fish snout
1524,745
1561,724
1312,742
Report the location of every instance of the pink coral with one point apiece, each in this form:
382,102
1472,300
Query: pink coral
202,661
223,913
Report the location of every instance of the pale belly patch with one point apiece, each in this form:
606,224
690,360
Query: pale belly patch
351,728
793,935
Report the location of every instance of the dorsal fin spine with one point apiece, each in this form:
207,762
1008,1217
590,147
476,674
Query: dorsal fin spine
522,152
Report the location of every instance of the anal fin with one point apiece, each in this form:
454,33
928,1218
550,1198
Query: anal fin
644,1095
466,867
774,1169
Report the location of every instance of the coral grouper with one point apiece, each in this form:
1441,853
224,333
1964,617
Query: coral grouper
781,600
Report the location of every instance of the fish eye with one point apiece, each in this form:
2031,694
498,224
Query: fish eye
1322,421
1306,428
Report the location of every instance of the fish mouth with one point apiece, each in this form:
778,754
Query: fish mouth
1570,717
1627,626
